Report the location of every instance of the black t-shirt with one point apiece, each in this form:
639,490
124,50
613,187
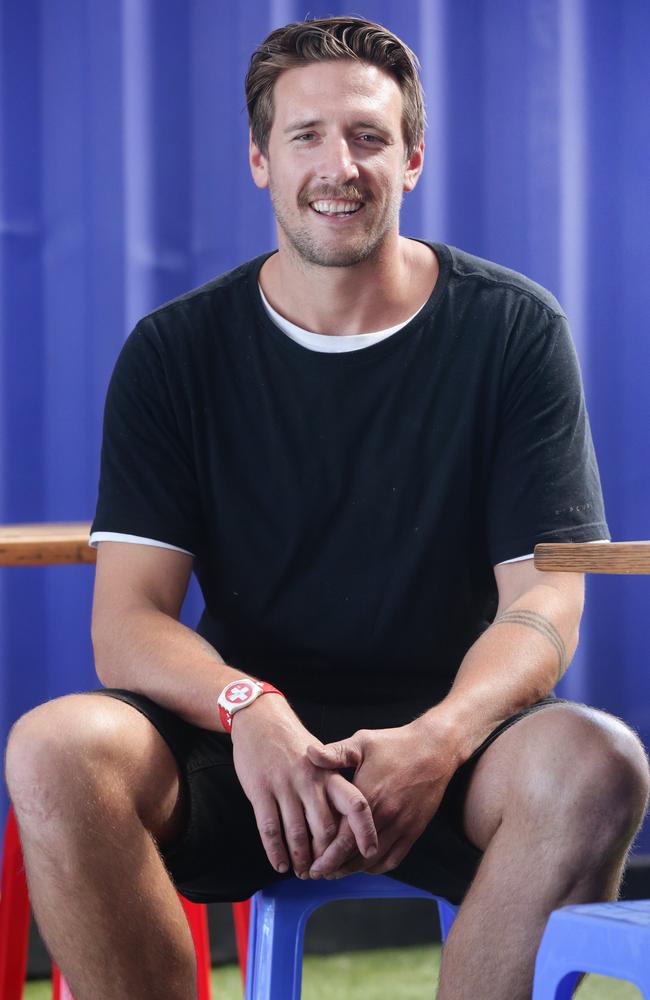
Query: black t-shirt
345,510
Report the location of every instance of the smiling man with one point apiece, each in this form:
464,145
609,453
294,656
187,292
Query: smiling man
355,441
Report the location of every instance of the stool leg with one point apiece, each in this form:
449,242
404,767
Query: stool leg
197,918
275,968
14,915
249,984
60,989
556,974
446,914
241,919
555,985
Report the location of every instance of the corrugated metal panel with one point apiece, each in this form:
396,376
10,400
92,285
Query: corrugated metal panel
125,181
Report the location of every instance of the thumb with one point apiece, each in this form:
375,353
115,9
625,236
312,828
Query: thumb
345,753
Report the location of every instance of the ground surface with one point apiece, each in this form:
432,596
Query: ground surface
399,973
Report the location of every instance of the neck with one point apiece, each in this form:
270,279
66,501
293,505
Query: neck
372,295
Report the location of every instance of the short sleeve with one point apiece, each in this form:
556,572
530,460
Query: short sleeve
147,483
544,484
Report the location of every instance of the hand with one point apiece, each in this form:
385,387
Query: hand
297,805
403,774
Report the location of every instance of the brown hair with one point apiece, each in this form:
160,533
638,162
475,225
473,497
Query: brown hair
302,42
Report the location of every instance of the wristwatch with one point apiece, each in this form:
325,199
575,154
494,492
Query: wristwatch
240,694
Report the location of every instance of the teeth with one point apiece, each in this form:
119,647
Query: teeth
336,206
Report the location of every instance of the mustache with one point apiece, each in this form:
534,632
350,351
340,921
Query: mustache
348,192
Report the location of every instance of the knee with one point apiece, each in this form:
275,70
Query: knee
53,752
594,778
615,779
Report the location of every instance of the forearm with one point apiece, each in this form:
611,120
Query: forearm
515,662
145,650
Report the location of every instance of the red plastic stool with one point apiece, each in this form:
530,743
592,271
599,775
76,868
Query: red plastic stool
14,928
14,915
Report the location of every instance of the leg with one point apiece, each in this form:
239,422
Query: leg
95,789
555,803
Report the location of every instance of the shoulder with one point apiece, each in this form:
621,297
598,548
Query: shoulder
501,285
175,342
210,305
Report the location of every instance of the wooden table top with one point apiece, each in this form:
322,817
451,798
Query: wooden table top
45,544
67,542
594,557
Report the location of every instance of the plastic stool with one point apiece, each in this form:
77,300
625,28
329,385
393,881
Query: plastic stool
14,928
277,926
14,915
610,939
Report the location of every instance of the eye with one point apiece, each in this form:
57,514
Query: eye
304,137
370,139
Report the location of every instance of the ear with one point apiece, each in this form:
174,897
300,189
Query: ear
258,163
414,166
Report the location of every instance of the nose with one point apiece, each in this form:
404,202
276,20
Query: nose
337,164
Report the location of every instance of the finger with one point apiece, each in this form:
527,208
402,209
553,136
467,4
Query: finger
321,820
392,857
337,854
352,804
354,864
269,826
296,834
391,852
332,756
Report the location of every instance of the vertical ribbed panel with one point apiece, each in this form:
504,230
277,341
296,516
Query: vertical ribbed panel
23,630
124,181
617,356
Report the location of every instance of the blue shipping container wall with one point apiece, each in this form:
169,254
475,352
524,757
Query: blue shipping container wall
124,181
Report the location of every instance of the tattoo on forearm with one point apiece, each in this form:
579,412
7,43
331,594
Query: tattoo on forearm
520,616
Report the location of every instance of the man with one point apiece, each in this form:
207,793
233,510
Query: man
356,442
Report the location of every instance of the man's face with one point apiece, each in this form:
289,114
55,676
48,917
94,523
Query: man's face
336,166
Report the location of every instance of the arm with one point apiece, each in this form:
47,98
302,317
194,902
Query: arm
404,772
517,660
140,645
138,641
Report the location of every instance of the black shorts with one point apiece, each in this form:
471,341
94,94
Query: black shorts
220,855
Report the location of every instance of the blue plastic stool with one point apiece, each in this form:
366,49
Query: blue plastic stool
610,939
277,926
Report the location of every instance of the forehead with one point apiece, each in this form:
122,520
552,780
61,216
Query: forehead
337,87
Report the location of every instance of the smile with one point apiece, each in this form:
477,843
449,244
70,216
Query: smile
336,208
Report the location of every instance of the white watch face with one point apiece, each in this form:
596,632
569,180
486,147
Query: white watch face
238,694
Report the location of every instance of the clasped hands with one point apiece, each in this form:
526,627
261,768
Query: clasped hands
314,820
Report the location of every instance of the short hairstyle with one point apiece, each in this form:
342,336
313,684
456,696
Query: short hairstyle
303,42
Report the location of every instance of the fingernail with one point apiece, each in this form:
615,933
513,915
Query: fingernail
283,867
314,873
302,875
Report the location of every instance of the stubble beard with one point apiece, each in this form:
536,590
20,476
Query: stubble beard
311,251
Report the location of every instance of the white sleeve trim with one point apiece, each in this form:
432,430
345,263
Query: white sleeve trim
116,536
592,541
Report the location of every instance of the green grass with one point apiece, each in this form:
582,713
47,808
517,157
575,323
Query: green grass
398,973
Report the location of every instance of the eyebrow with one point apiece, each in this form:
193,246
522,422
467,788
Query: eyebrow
313,122
297,126
373,124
